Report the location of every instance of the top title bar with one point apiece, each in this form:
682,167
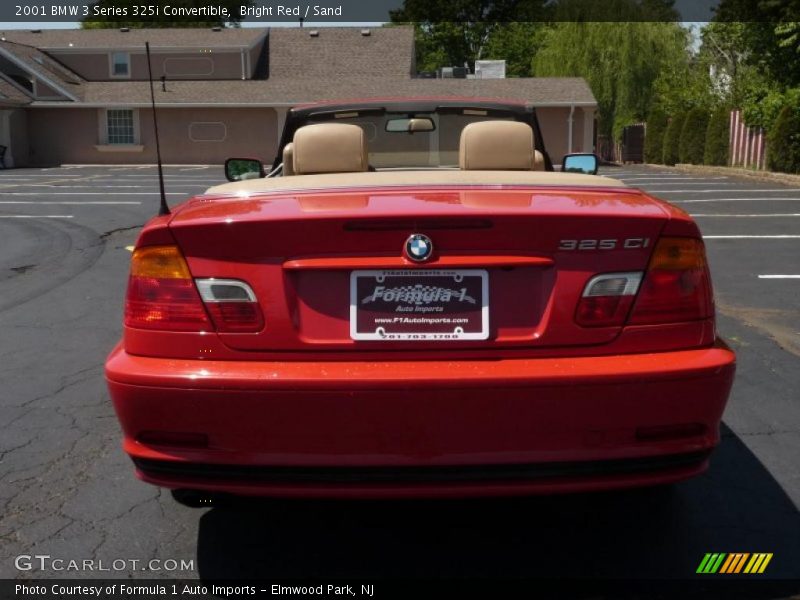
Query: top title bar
339,11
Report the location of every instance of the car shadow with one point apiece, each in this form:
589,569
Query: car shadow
658,533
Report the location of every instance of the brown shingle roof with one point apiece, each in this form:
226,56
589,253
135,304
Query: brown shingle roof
11,96
39,63
341,52
338,63
50,39
286,91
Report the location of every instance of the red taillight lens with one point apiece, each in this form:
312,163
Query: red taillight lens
603,311
607,299
677,286
161,293
236,317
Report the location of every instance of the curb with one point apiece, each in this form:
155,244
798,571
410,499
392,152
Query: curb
763,176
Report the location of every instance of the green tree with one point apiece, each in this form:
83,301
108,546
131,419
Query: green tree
620,61
517,44
692,142
723,51
159,21
783,141
671,138
762,107
654,137
750,65
455,32
769,36
614,11
718,138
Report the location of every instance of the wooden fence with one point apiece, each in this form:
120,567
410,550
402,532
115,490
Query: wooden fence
748,145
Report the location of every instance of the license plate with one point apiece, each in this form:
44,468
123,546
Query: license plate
419,304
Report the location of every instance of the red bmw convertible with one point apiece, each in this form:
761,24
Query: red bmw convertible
410,301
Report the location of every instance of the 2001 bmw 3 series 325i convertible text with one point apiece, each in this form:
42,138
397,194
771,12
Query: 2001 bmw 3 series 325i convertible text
413,303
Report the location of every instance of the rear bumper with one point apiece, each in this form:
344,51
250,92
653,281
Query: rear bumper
406,428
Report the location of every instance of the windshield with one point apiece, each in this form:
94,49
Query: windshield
412,140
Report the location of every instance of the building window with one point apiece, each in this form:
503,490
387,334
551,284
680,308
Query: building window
120,126
120,64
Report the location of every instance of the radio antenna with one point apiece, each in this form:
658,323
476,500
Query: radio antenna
163,208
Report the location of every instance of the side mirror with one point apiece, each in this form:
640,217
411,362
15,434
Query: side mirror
239,169
580,163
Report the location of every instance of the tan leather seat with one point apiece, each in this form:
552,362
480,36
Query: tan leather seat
538,161
497,146
288,159
330,148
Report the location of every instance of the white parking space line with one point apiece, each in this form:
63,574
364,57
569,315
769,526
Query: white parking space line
26,176
649,173
195,168
751,237
90,193
16,177
101,178
27,183
729,191
779,276
664,180
167,178
758,199
35,216
663,183
105,187
764,216
70,202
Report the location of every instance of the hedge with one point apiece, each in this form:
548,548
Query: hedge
718,138
692,142
671,137
654,137
783,142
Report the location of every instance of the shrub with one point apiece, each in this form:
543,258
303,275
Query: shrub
718,138
783,141
692,142
671,137
654,137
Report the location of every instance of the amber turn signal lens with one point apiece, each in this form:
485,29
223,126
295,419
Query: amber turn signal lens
161,292
678,254
162,262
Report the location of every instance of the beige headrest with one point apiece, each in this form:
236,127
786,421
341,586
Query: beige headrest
288,159
330,148
496,146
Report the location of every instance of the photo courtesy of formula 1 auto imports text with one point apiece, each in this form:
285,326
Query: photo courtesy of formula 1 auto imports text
399,299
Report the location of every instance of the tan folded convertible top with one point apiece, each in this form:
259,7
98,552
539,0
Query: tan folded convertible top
443,177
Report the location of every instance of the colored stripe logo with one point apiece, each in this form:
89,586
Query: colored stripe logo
735,562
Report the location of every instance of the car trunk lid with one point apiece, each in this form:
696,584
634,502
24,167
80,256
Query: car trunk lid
532,249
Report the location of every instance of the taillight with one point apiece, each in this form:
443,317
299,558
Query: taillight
161,292
232,305
677,286
163,295
607,299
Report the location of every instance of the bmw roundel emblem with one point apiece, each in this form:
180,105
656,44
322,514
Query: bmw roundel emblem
419,247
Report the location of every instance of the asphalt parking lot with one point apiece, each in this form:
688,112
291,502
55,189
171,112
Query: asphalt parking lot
67,490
